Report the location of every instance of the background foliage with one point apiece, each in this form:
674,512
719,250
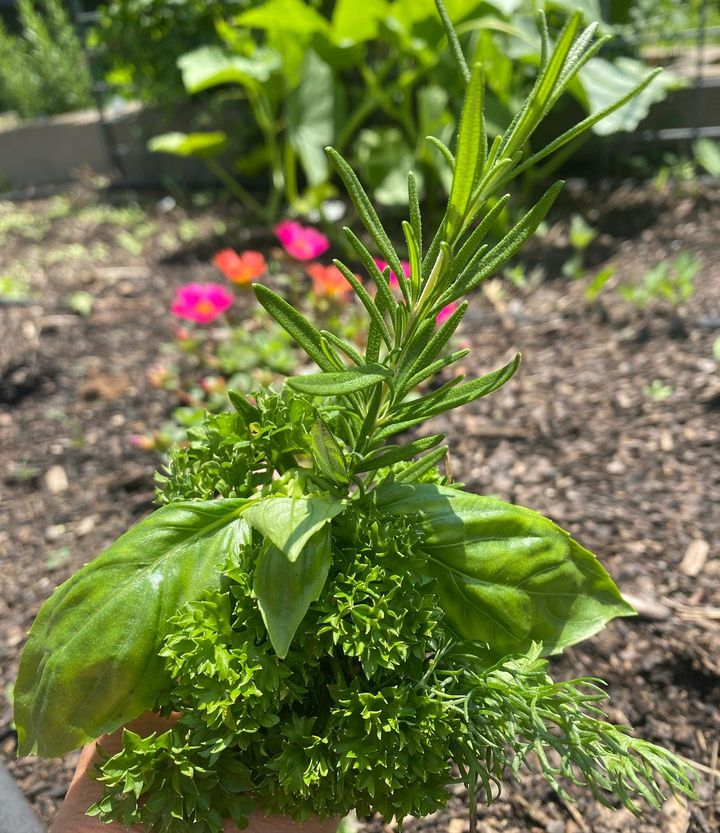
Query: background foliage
371,79
43,69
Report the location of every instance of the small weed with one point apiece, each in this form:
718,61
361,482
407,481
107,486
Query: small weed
130,243
13,287
104,214
523,280
672,282
581,235
57,558
188,231
81,302
596,286
658,390
24,472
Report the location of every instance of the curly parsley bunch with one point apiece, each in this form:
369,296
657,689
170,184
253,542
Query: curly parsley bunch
335,623
372,706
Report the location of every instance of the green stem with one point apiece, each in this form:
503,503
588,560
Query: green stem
235,188
264,118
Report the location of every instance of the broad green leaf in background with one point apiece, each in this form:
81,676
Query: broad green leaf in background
211,66
91,661
410,12
289,522
590,8
354,22
435,119
311,117
506,575
289,15
189,144
707,154
384,158
285,589
604,82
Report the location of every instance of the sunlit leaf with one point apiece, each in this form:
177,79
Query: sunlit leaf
91,662
290,522
211,66
189,144
286,589
507,577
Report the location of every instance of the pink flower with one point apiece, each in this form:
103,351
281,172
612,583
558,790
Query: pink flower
302,242
240,268
382,265
145,442
445,313
201,302
328,281
157,375
213,384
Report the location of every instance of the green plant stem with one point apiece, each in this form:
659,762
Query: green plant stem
361,112
245,197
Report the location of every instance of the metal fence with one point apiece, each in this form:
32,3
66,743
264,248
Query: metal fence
684,37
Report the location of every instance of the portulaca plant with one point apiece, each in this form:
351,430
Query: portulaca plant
334,623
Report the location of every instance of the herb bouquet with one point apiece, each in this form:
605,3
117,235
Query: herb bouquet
337,624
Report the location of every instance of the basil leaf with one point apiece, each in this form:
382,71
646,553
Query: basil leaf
290,522
506,575
285,589
91,661
341,383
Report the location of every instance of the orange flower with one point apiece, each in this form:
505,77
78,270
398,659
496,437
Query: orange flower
328,281
240,268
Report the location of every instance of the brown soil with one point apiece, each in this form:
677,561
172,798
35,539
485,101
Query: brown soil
580,435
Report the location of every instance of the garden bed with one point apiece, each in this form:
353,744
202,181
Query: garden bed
583,434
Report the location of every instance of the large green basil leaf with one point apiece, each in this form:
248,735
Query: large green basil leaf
506,575
91,660
290,522
285,589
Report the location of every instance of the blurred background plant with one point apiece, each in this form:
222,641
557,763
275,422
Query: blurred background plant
43,70
371,79
670,282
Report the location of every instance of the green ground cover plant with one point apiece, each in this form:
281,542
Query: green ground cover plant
337,623
238,346
669,282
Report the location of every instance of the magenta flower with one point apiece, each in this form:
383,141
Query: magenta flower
301,242
201,302
445,313
382,265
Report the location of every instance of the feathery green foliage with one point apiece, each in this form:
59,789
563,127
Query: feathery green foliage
43,70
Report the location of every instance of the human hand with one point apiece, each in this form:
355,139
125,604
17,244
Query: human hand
85,791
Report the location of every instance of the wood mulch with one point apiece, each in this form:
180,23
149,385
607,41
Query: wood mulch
611,428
